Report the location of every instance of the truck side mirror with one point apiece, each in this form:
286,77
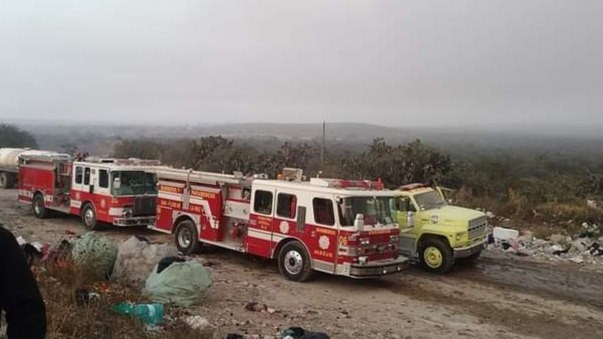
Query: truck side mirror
359,222
116,183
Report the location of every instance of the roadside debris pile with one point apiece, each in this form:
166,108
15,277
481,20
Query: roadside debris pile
90,277
136,257
585,247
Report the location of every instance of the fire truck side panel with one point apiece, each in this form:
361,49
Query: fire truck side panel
37,178
169,206
207,202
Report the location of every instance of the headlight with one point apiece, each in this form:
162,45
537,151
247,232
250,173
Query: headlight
362,260
127,212
435,218
393,239
459,236
365,241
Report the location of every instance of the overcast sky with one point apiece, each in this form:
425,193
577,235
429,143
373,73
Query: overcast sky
395,63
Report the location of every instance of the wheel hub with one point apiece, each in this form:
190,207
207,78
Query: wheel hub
89,216
185,238
433,257
294,262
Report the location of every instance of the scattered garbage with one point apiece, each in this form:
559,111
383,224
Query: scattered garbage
136,257
150,314
504,234
167,261
584,248
83,296
96,252
197,322
300,333
181,283
256,307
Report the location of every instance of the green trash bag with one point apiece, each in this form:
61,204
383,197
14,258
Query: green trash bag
95,252
181,283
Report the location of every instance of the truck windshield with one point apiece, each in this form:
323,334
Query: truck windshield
429,199
376,210
134,183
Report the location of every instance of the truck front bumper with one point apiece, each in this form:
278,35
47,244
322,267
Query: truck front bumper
379,268
134,221
464,252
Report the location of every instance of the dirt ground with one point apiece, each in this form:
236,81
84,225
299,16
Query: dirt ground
500,297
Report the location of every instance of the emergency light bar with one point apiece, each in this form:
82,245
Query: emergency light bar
347,184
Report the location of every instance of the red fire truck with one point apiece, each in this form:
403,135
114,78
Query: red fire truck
120,192
334,226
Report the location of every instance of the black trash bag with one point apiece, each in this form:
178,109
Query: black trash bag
234,336
31,253
300,333
166,262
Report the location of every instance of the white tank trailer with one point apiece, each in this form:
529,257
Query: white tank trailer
9,164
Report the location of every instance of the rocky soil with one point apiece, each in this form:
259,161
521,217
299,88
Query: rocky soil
503,296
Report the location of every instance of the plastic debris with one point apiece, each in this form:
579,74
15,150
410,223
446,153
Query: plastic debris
197,322
300,333
559,247
150,314
181,283
96,252
83,296
136,257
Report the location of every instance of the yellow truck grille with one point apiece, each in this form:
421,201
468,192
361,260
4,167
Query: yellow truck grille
477,227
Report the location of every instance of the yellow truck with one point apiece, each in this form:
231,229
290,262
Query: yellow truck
437,234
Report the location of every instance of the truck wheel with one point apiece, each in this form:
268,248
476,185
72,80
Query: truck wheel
294,262
6,180
187,239
470,260
39,209
436,256
89,218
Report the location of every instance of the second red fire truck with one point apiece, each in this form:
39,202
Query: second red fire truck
121,192
335,226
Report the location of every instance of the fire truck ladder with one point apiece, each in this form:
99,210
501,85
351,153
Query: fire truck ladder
198,177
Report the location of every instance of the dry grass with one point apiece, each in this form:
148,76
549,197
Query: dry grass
58,283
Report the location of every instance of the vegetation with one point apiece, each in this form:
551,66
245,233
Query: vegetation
531,186
12,136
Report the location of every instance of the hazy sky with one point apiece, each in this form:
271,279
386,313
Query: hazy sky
386,62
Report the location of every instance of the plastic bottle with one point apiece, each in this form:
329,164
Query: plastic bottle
150,314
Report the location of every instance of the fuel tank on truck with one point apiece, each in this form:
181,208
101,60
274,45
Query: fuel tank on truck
9,157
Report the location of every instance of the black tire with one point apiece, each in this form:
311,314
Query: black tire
89,218
4,180
38,207
294,262
470,260
436,255
186,237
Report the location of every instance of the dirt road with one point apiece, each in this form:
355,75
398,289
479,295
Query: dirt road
501,297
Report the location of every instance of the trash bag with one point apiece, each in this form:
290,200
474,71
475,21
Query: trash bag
136,257
300,333
167,261
96,252
181,283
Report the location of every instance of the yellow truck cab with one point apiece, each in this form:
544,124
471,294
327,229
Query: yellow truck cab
435,233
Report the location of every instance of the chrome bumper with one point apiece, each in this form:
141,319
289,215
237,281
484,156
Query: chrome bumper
134,221
379,268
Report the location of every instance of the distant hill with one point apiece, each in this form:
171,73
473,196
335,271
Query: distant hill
100,138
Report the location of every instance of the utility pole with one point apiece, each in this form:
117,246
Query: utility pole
322,148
